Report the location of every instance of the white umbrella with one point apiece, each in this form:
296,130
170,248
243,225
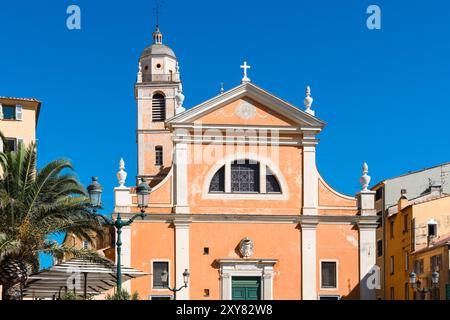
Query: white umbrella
91,278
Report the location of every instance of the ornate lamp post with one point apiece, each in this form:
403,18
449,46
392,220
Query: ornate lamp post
416,284
95,192
164,276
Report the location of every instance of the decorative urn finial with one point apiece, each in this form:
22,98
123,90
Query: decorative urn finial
139,75
179,98
365,178
121,175
308,101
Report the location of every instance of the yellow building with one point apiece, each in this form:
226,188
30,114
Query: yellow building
433,258
18,120
104,245
413,228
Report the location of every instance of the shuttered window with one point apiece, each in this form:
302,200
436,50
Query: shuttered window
159,156
158,268
158,108
329,274
19,112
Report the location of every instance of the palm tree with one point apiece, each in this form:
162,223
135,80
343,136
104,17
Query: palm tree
33,205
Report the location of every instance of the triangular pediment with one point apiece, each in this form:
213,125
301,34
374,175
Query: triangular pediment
247,104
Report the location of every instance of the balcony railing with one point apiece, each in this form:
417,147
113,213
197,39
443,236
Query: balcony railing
161,78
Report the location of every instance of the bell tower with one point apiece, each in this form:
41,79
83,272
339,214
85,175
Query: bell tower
158,93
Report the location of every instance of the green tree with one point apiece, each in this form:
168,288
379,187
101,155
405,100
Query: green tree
33,205
123,295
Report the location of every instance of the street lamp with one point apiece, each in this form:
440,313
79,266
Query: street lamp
95,193
164,276
143,193
416,284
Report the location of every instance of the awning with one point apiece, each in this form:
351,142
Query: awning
81,276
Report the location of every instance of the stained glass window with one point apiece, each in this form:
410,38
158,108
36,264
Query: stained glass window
244,176
218,181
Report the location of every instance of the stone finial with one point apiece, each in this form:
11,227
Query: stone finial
139,75
121,175
222,90
365,178
179,99
308,101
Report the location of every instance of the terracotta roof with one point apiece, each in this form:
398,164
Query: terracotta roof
443,240
38,108
21,99
426,198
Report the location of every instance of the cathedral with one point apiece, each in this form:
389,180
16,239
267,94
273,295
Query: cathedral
236,199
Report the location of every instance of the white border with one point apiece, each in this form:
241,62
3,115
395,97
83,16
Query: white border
337,274
151,274
284,195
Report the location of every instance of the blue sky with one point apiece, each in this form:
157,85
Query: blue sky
382,93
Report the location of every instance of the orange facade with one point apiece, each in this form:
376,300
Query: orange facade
237,200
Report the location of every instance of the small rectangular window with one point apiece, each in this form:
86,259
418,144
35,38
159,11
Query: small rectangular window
329,275
206,251
405,223
436,263
406,291
206,292
379,248
12,144
158,268
391,229
159,156
392,265
406,261
418,266
9,112
432,230
378,194
392,293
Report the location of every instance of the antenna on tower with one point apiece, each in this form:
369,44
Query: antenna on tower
157,11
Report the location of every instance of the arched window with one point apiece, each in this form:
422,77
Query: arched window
243,176
158,107
218,181
272,184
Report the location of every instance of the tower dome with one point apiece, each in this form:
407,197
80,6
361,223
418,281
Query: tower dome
158,48
158,61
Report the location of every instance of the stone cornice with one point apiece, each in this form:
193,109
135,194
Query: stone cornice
252,261
362,221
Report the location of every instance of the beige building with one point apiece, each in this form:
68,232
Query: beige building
18,120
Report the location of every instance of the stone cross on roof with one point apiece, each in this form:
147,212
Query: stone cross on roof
245,66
